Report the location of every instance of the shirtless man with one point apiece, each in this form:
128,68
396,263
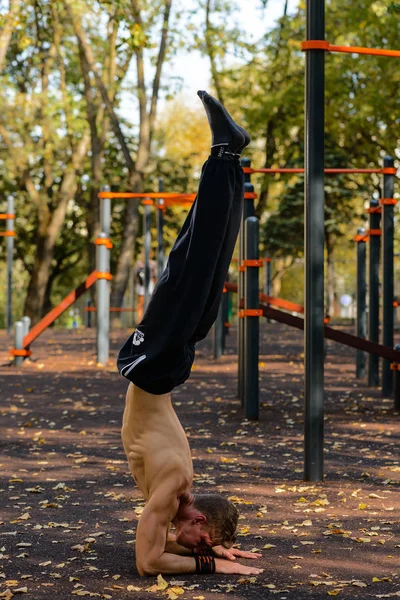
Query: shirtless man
158,357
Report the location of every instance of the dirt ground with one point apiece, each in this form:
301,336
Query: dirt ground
69,508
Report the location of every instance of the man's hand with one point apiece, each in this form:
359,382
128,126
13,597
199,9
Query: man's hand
231,553
235,568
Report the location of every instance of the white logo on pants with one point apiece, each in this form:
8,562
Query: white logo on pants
138,338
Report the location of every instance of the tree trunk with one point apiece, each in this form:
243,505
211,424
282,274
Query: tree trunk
125,259
36,293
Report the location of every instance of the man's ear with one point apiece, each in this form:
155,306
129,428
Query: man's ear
201,519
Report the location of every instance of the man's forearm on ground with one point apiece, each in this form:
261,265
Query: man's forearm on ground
167,564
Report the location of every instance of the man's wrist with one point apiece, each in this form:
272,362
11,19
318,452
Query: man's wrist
204,564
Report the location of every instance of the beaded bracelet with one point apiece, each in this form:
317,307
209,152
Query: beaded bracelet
205,564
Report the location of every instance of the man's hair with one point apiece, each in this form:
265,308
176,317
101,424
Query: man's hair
222,517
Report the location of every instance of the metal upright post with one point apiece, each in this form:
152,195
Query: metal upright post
396,382
248,211
251,316
88,314
388,203
314,245
361,324
160,230
218,332
18,342
103,299
147,248
26,324
268,278
374,234
10,254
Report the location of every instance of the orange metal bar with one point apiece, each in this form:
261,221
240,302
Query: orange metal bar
373,232
360,50
103,275
112,309
6,216
280,303
59,309
388,201
374,209
323,45
250,312
7,233
251,263
163,195
15,352
360,238
271,171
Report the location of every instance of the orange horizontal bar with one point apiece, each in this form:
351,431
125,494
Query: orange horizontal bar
361,50
251,263
323,45
373,232
250,312
112,309
268,171
7,233
147,202
395,367
162,195
6,216
388,201
360,238
374,209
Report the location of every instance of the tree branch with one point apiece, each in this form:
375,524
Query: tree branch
6,33
102,89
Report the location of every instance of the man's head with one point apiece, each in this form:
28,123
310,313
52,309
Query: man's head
209,520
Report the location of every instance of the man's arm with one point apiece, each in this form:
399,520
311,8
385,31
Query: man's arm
151,539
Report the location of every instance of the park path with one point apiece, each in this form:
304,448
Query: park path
69,508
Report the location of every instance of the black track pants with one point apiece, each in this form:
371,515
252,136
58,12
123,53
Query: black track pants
158,356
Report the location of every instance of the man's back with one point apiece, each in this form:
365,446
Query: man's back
155,443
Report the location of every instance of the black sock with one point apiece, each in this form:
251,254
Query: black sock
228,139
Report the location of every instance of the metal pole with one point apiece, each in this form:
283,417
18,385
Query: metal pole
388,271
160,231
219,333
225,316
314,246
396,383
89,314
248,211
251,320
10,254
18,342
103,302
373,288
26,323
268,278
147,248
361,323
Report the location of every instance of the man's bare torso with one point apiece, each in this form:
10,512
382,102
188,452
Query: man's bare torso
155,442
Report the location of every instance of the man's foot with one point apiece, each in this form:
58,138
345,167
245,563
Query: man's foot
228,139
